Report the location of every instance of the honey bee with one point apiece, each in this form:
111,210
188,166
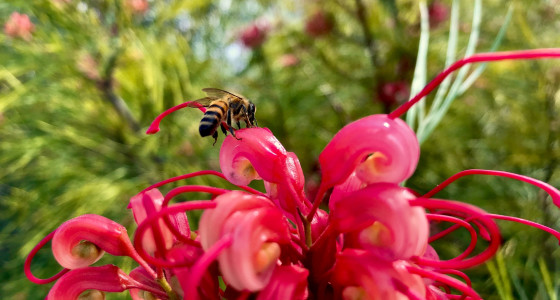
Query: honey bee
224,106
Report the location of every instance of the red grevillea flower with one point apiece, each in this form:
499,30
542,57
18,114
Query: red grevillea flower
82,241
373,243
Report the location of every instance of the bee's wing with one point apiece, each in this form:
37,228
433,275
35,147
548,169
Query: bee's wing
218,93
201,102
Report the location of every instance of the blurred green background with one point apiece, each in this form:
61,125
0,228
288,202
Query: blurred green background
78,90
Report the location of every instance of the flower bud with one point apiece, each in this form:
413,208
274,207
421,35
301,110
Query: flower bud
81,241
377,148
108,278
256,154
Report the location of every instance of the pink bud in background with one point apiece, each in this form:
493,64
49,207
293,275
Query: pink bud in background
394,92
319,23
377,148
19,26
138,6
81,241
257,229
438,13
254,35
288,60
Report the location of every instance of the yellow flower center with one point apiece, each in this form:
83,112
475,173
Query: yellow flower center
376,234
266,256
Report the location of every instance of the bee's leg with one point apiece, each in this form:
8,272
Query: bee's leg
238,125
229,125
247,122
224,130
215,136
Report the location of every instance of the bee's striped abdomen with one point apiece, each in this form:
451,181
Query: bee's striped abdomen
212,117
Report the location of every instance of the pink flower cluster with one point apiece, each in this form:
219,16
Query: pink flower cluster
373,241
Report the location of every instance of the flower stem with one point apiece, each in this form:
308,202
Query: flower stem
167,288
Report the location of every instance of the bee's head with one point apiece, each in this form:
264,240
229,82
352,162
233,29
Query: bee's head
251,113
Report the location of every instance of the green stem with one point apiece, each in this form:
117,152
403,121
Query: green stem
167,288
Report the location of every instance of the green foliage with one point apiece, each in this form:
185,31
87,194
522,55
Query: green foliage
76,99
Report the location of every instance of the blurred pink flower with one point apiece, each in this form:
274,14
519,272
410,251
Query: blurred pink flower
138,6
438,13
19,26
288,60
254,34
395,92
320,23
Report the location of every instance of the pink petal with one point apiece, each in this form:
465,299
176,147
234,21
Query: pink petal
361,270
287,282
208,287
142,276
108,278
69,250
250,231
394,142
402,230
212,221
257,154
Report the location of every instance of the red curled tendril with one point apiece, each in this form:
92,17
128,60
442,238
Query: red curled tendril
146,224
475,213
458,222
29,259
549,189
450,281
195,174
480,57
186,189
154,127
